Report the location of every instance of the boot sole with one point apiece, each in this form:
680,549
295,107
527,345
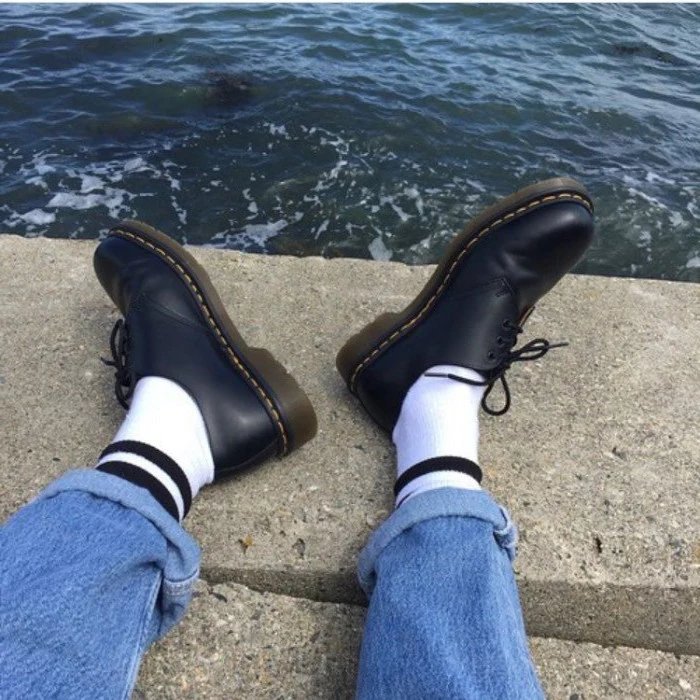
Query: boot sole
365,346
286,403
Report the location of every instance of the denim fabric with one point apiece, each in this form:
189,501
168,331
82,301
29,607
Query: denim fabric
444,619
91,573
94,570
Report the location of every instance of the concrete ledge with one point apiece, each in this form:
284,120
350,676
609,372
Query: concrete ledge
235,643
597,459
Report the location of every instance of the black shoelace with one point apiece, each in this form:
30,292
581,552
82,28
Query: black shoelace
533,350
124,377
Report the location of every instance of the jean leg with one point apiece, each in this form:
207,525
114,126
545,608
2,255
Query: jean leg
91,573
444,619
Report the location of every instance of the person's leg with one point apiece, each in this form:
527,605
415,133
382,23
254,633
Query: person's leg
91,573
444,618
98,566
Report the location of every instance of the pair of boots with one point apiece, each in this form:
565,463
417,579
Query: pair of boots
248,408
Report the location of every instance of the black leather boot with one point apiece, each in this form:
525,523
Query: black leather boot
474,306
175,326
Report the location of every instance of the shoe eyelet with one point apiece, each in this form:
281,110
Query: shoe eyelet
491,356
499,341
506,323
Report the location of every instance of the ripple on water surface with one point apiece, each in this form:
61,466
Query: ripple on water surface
371,131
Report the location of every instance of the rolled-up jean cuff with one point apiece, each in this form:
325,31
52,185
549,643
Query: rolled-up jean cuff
437,503
182,560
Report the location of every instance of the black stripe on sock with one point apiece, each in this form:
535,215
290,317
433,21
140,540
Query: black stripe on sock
139,477
438,464
160,459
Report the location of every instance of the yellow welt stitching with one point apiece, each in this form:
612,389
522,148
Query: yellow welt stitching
428,304
225,343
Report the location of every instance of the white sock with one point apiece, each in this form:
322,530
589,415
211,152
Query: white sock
439,418
162,438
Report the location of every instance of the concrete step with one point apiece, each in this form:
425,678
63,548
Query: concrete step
597,459
237,643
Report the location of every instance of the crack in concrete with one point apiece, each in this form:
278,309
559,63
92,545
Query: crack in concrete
638,617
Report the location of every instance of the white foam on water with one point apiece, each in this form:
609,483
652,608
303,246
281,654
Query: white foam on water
404,216
647,198
259,233
35,217
181,213
89,183
323,227
654,177
113,199
476,185
413,193
333,175
677,219
43,169
389,199
276,130
368,167
166,175
313,199
378,249
693,263
38,181
39,164
250,235
252,205
135,165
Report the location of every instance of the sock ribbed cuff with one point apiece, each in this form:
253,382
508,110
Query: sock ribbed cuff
436,464
139,477
151,469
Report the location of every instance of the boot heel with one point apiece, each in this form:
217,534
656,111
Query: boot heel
359,347
293,404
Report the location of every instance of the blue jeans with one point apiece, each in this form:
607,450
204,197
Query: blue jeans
94,570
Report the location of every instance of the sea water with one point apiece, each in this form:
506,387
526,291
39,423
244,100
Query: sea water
351,130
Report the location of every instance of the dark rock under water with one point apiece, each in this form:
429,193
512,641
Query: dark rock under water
227,89
646,51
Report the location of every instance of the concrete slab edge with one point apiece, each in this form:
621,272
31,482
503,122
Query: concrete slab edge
661,619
